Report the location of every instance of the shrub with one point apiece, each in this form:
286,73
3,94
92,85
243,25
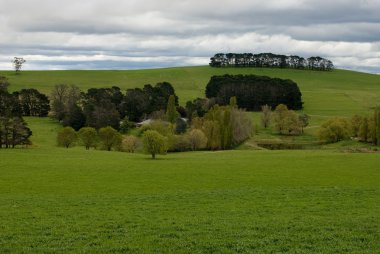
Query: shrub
197,139
130,144
179,143
287,122
334,130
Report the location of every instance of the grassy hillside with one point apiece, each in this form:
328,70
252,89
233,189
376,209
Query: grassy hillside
339,92
72,200
57,200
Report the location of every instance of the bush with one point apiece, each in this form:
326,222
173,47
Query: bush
130,144
197,139
334,130
179,143
287,122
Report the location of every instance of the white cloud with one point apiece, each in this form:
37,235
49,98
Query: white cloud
123,34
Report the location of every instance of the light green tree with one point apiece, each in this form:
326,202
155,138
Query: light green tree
88,136
154,143
286,121
110,138
66,137
334,130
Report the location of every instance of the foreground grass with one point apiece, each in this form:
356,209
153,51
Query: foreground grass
71,200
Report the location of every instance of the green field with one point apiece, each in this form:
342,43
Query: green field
339,92
56,200
72,200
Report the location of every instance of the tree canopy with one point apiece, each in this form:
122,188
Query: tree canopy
252,91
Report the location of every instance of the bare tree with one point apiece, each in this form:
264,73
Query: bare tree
266,115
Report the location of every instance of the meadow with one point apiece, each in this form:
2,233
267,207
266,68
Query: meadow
57,200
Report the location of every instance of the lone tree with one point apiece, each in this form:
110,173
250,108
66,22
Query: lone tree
154,143
66,137
88,136
110,137
266,115
17,63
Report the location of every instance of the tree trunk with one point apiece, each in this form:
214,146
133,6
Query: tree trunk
153,156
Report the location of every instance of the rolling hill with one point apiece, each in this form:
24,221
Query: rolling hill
339,92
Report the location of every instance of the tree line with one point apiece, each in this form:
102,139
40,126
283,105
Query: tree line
101,107
252,91
270,60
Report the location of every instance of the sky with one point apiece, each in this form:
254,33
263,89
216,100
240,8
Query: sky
134,34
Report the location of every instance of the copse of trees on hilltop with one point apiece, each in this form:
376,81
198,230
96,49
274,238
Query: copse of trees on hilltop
252,92
270,60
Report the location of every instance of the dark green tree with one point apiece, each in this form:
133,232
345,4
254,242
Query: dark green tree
171,111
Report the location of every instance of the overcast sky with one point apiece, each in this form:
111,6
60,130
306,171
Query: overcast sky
130,34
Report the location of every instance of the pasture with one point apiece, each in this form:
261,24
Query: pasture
57,200
72,200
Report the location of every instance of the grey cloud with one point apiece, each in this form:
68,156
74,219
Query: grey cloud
184,31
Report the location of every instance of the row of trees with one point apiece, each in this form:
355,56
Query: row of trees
254,91
363,128
107,138
101,107
270,60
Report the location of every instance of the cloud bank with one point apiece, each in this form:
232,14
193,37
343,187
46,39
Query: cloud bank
117,34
